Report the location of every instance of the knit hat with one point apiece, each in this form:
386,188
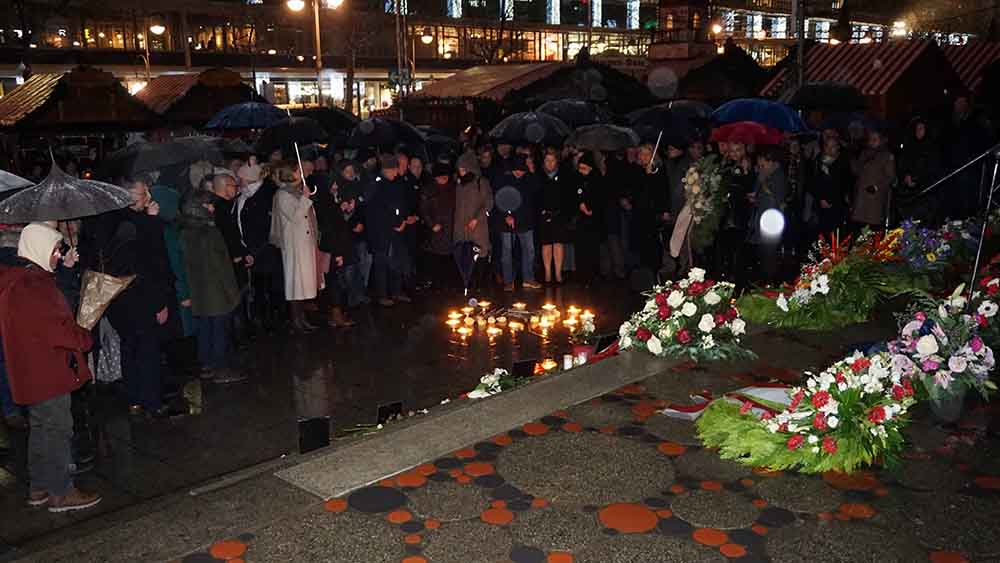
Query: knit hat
38,240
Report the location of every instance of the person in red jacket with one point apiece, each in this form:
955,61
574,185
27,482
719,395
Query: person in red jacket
44,349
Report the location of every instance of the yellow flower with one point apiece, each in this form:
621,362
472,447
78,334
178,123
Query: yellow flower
931,257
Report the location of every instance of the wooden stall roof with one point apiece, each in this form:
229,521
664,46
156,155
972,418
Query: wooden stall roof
493,82
971,59
170,91
83,99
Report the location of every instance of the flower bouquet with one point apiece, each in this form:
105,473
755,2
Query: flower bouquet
692,319
707,200
492,383
839,285
848,416
941,338
986,300
925,250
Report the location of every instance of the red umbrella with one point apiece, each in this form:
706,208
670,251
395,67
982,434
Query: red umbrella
748,133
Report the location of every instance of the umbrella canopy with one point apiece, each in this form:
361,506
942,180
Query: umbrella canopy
387,133
530,128
60,196
747,133
10,181
603,137
248,115
146,157
832,96
575,113
689,109
335,120
773,114
648,123
284,135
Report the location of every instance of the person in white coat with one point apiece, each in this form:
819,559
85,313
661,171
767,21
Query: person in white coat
294,232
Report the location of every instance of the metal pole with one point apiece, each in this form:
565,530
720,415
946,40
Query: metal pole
319,55
185,31
399,47
800,47
986,219
145,43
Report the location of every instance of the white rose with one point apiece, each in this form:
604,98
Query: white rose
654,345
689,309
812,439
664,333
625,343
927,346
988,309
696,275
957,364
782,303
832,421
626,328
675,299
707,323
739,327
712,298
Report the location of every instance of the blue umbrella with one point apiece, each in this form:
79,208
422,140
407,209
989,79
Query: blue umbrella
773,114
248,115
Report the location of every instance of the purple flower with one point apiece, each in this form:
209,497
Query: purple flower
976,344
929,365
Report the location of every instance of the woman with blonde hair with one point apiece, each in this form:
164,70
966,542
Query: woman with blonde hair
294,232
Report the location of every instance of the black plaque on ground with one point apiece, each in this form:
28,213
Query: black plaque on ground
524,368
314,433
389,410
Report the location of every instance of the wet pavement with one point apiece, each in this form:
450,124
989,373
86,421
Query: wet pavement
302,392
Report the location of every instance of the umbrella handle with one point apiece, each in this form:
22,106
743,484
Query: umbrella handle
656,149
302,173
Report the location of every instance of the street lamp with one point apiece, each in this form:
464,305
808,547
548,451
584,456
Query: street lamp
428,36
716,29
298,6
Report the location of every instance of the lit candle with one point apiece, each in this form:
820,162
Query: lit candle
570,322
494,331
485,304
481,322
501,321
491,320
544,323
534,319
516,326
548,307
469,321
520,306
549,364
454,315
467,310
573,310
587,315
452,322
464,331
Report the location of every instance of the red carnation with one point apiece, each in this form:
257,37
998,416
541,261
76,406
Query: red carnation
860,365
981,320
745,407
908,387
795,442
898,393
819,422
820,399
643,334
840,377
683,337
733,313
696,289
829,445
766,416
661,299
796,399
720,319
877,415
665,312
993,289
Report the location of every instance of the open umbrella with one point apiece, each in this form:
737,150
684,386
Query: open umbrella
530,128
285,134
831,96
61,196
387,133
747,133
603,137
649,122
336,121
248,115
146,157
689,109
575,113
773,114
10,181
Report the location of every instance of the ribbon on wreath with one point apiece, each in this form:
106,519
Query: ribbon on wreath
758,396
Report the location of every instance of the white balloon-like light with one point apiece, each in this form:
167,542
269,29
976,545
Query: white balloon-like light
772,223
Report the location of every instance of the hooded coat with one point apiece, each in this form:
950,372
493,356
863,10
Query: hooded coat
207,262
473,200
43,345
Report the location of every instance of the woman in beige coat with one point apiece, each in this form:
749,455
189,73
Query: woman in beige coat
294,232
875,170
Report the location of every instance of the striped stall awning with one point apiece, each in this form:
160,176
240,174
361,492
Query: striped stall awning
871,68
970,59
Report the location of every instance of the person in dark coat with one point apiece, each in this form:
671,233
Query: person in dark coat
590,207
386,216
357,274
617,215
437,213
770,194
337,239
730,259
518,224
651,214
919,166
557,208
252,213
43,351
138,313
829,181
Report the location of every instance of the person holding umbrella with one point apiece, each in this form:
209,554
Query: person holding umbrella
519,223
252,211
473,202
386,223
43,350
337,240
294,232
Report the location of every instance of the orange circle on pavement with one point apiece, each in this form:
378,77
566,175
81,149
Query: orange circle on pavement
415,559
432,524
857,510
608,430
229,549
412,539
539,503
948,557
857,481
499,504
478,469
503,440
535,428
665,513
710,536
559,557
455,472
765,472
711,485
387,483
825,516
643,410
464,479
411,479
732,550
426,469
335,505
759,502
671,449
399,516
759,530
497,516
632,389
677,489
628,518
572,427
881,492
465,453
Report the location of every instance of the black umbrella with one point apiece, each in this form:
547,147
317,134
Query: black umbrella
689,109
832,96
385,133
465,254
530,128
61,196
147,157
603,137
248,115
575,113
10,181
286,134
335,120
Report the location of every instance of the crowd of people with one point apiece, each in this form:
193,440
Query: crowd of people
253,247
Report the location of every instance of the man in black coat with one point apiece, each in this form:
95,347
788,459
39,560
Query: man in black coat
137,248
252,213
337,239
386,214
518,223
